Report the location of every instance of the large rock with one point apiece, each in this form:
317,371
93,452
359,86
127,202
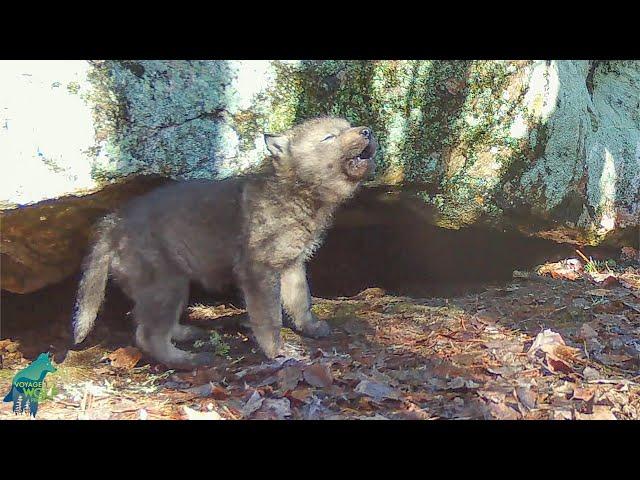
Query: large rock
551,148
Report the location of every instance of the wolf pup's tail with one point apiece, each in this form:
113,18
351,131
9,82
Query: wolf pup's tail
94,279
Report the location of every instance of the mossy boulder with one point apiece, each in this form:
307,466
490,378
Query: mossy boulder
550,148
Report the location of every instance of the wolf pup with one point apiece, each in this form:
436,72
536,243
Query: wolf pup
255,230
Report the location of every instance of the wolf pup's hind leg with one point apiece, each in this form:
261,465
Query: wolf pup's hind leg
157,310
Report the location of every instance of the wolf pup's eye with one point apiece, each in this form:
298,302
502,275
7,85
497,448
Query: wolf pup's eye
328,137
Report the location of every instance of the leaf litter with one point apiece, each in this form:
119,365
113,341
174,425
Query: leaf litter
561,342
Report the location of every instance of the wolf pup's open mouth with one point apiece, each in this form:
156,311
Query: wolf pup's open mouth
359,166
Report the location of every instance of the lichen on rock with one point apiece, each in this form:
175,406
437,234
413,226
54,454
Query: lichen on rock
549,148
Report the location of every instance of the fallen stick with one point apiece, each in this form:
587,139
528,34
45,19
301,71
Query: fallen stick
583,256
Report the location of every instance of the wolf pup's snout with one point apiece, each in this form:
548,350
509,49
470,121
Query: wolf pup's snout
361,165
370,151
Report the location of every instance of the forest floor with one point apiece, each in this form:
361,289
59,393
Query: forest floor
562,342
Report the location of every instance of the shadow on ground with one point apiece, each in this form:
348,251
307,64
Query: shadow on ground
447,333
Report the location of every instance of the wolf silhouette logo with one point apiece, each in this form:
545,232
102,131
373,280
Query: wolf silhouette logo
27,385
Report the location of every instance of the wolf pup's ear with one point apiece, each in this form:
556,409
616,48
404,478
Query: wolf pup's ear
276,144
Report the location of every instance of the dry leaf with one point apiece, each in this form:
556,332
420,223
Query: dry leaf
301,394
631,280
370,293
8,345
501,411
600,412
195,415
613,359
521,274
253,404
527,397
377,390
567,269
585,394
459,382
199,376
288,378
546,341
603,279
274,409
218,392
590,373
555,364
200,390
587,332
318,375
562,414
414,412
567,353
599,292
126,357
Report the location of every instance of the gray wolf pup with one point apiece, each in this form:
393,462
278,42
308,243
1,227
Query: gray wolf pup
255,231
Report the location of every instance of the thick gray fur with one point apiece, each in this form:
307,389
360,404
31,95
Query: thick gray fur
256,231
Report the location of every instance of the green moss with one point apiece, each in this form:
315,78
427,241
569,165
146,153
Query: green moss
433,104
248,127
283,98
108,111
73,88
337,313
445,126
452,113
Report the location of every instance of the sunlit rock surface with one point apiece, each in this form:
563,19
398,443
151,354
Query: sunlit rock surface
551,148
46,130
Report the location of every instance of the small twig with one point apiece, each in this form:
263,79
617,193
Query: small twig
67,404
631,306
586,352
237,360
583,256
555,311
611,381
126,410
529,370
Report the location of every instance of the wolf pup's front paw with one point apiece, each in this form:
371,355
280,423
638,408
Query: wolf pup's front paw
272,348
316,329
203,359
269,341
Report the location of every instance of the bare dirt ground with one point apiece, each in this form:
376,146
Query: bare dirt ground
557,344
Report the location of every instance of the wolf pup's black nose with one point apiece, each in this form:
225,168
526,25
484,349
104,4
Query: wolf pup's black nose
366,133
